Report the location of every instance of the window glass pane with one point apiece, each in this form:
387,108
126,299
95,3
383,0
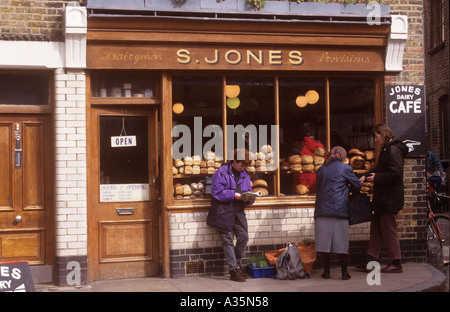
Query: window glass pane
20,89
197,137
251,124
352,117
302,130
123,158
122,85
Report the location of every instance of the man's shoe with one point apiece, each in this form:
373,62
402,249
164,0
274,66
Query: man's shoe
391,268
236,275
242,272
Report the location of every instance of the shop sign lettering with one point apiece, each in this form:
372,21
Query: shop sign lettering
343,58
231,57
124,192
236,57
15,277
127,56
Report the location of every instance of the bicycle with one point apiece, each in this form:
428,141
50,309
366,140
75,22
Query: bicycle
437,225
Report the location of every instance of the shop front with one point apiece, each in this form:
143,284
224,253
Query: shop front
169,98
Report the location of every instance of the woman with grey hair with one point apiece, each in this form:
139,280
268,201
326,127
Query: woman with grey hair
331,211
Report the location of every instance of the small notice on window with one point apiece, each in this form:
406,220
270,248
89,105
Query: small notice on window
124,192
123,141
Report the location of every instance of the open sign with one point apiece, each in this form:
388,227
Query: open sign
123,141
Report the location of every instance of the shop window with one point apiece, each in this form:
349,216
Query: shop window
24,89
352,118
123,159
250,108
118,85
302,133
242,111
197,148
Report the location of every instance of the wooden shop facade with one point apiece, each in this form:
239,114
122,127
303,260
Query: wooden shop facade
170,91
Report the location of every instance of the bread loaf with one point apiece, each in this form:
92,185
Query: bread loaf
319,151
250,169
260,183
196,169
318,160
263,191
186,190
357,162
307,167
301,189
178,188
188,170
188,161
295,167
295,159
307,159
355,152
178,163
370,155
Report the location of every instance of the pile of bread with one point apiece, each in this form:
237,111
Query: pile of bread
307,163
188,191
197,165
260,185
360,160
262,161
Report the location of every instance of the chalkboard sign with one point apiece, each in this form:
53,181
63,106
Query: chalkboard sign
406,116
15,277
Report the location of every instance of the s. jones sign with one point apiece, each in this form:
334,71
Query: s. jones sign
233,58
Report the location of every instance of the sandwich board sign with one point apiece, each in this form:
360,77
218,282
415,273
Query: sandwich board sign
15,277
406,116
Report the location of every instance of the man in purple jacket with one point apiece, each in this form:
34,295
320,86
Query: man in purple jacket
227,210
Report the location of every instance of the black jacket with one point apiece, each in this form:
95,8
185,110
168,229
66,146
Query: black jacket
388,190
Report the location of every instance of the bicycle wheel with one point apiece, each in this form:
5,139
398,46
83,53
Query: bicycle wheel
443,229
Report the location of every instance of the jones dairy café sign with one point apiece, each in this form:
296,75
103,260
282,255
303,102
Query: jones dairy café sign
406,116
232,58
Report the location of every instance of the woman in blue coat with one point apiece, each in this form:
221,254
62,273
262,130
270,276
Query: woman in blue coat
331,209
227,214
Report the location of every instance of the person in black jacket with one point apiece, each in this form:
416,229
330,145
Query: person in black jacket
388,198
331,209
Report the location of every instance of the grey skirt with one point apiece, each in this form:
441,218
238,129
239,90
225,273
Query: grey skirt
331,235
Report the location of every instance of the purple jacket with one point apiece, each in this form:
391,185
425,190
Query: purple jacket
224,208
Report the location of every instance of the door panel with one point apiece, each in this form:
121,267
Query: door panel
33,165
6,167
123,194
26,219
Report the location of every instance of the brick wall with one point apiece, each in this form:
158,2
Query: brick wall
437,75
32,20
70,170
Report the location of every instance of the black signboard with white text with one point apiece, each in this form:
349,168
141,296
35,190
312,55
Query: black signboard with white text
406,116
15,277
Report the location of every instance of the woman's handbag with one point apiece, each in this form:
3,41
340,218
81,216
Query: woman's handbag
360,208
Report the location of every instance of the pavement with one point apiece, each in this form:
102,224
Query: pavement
416,277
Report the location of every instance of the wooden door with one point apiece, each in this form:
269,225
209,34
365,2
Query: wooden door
123,194
26,217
